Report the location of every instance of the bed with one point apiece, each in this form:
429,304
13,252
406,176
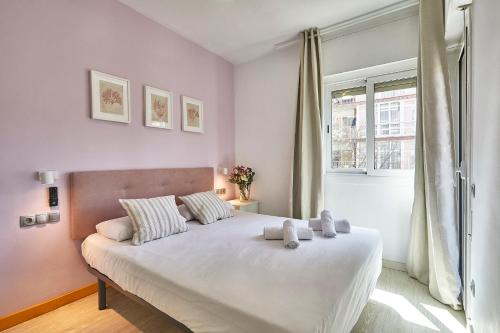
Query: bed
224,277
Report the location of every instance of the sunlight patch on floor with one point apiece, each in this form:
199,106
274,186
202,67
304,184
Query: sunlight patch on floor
403,307
445,318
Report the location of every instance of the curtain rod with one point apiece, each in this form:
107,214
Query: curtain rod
396,10
365,78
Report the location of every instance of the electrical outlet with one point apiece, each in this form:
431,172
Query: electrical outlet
27,221
220,191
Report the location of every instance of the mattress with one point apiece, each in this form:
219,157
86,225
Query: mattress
224,277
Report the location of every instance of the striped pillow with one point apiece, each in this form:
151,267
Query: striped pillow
153,218
207,207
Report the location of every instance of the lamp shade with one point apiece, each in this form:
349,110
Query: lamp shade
47,177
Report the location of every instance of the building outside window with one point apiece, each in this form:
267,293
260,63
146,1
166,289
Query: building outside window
349,128
383,140
395,110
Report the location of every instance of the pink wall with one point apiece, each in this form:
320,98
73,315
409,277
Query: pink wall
46,51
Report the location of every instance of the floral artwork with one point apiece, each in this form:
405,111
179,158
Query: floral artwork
158,106
110,97
192,115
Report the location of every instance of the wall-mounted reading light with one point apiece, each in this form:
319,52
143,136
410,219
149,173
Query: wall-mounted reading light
221,181
49,178
223,171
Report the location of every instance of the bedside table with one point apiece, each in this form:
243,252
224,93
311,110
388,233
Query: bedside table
251,206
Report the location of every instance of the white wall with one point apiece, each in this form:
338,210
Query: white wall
486,165
380,45
265,102
382,203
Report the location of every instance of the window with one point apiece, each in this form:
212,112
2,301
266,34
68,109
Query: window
349,128
372,124
395,108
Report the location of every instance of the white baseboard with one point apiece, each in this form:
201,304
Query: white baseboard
399,266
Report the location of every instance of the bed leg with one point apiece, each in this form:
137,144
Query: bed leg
102,294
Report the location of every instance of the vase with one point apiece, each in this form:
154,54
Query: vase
244,192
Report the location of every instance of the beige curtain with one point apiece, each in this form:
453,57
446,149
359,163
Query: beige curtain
307,173
433,252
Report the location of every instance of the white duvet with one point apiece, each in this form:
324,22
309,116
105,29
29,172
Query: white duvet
224,277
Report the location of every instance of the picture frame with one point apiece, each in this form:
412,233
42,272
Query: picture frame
158,110
192,115
110,97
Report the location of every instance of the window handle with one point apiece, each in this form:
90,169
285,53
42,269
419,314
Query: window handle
461,171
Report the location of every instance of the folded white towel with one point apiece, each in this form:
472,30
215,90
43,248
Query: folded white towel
343,225
290,237
315,224
327,224
271,233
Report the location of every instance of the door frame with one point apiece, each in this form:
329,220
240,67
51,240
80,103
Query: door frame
464,170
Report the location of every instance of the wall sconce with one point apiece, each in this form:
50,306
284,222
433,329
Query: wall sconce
223,171
49,178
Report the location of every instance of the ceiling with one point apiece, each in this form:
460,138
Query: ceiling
242,30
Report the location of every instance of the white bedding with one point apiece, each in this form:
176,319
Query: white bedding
224,277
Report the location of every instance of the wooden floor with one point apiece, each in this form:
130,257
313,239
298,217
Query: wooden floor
402,304
399,304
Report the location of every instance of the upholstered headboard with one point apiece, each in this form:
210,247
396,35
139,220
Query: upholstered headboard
94,194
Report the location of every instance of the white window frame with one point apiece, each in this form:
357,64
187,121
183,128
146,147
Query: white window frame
364,77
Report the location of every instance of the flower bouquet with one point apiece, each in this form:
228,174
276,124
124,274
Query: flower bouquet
243,177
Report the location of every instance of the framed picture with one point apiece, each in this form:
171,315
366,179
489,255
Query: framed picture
192,115
110,97
158,108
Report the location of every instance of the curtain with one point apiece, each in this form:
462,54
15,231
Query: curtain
307,170
433,250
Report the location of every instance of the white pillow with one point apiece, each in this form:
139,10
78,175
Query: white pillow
184,211
153,218
207,207
119,229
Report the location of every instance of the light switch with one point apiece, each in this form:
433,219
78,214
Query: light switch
54,216
42,218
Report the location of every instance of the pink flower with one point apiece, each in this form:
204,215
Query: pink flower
109,96
159,108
